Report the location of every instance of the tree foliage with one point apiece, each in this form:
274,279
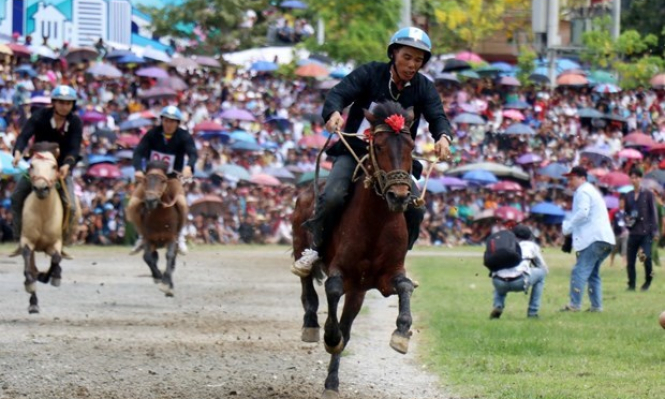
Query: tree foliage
349,34
645,17
526,63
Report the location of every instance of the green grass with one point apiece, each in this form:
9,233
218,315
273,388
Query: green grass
619,353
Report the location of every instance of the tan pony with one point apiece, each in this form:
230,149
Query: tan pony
43,220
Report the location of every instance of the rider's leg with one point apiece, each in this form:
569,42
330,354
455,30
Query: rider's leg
21,191
328,206
414,217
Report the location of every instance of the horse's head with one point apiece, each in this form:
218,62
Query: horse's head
43,168
390,147
155,183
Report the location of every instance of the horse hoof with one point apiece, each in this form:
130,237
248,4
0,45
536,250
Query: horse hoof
30,288
43,277
399,342
55,282
32,309
157,280
166,290
330,394
336,350
310,334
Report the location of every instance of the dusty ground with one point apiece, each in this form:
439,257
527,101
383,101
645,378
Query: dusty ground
232,331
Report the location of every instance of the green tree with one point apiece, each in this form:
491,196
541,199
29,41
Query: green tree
645,17
526,63
349,34
219,19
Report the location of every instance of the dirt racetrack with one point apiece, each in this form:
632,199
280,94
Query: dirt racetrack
231,331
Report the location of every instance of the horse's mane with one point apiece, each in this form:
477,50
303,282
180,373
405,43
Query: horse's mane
45,146
384,110
161,165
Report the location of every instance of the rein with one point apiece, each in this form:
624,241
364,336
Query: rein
34,179
157,194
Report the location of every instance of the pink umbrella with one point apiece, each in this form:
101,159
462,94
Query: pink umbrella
509,81
513,114
208,126
312,141
615,179
105,170
237,114
598,172
639,139
509,213
152,72
505,186
263,179
128,140
468,56
630,153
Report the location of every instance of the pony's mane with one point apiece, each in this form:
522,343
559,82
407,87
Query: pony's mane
161,165
384,110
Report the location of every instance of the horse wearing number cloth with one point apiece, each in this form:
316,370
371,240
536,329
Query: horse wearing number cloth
367,248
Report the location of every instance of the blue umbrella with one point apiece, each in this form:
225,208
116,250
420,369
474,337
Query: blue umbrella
480,176
6,162
470,74
517,105
98,158
280,173
308,61
27,69
131,59
223,137
293,4
596,155
118,54
229,169
446,77
468,118
243,136
502,66
103,69
135,124
434,186
127,172
264,66
554,170
589,113
339,73
548,208
519,128
245,146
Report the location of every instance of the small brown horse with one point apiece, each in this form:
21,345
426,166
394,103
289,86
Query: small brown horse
367,247
160,223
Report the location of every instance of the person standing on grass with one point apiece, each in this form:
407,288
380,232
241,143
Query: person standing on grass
529,273
592,240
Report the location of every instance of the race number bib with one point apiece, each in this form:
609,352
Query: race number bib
160,156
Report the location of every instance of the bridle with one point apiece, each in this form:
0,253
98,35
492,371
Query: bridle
34,179
162,178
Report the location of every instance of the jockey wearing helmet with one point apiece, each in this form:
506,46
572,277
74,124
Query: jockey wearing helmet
57,124
170,143
396,80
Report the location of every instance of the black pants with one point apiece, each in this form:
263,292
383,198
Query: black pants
331,202
635,242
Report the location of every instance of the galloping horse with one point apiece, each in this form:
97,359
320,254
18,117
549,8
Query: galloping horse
367,247
160,224
43,216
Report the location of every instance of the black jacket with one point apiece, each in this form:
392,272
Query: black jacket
369,83
642,212
69,139
181,144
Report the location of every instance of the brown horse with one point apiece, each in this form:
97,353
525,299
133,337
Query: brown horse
160,223
367,247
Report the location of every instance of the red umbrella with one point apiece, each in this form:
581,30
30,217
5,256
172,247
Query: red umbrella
509,213
615,179
263,179
639,139
208,126
572,80
105,170
505,186
128,140
312,70
657,149
312,141
19,49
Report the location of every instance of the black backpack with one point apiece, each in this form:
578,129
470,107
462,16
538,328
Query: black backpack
502,251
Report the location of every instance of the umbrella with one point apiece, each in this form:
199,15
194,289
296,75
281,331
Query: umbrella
554,170
469,74
207,205
327,84
611,202
602,77
246,146
240,135
156,55
263,66
117,54
468,56
539,78
548,208
81,54
173,82
232,170
104,70
446,77
589,113
6,160
509,213
505,186
263,179
449,181
223,137
208,126
596,155
651,184
486,214
517,105
598,172
657,149
280,173
40,100
135,124
19,50
480,176
468,118
572,80
657,175
454,64
487,70
206,61
99,158
434,186
339,73
237,114
513,114
43,52
104,170
630,153
93,117
503,67
519,128
295,4
509,81
152,72
529,158
128,140
615,179
26,69
184,63
312,70
657,81
312,141
104,133
309,176
496,168
607,88
131,59
638,139
158,92
4,49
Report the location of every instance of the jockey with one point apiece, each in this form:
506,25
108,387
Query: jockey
58,124
170,143
396,80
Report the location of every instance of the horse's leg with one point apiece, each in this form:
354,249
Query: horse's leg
167,278
310,303
30,272
332,336
55,271
352,304
151,258
400,338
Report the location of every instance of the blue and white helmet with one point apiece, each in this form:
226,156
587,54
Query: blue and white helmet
65,93
171,112
412,37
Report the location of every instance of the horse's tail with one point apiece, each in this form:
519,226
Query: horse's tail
317,271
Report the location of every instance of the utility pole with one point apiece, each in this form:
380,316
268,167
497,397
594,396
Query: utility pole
553,39
405,21
616,19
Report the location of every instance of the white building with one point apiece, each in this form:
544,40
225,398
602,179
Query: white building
90,22
7,23
51,23
143,22
120,22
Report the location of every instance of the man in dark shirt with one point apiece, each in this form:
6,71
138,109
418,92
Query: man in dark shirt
57,124
642,221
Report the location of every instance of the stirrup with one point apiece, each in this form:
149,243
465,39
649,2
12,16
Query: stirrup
303,266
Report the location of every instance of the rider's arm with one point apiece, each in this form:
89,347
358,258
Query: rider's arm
26,134
76,129
348,90
433,112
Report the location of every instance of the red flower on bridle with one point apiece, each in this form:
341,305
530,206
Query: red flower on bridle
396,122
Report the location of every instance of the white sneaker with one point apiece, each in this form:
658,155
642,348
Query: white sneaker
182,248
303,266
137,247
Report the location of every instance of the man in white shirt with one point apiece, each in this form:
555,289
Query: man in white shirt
530,272
593,239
